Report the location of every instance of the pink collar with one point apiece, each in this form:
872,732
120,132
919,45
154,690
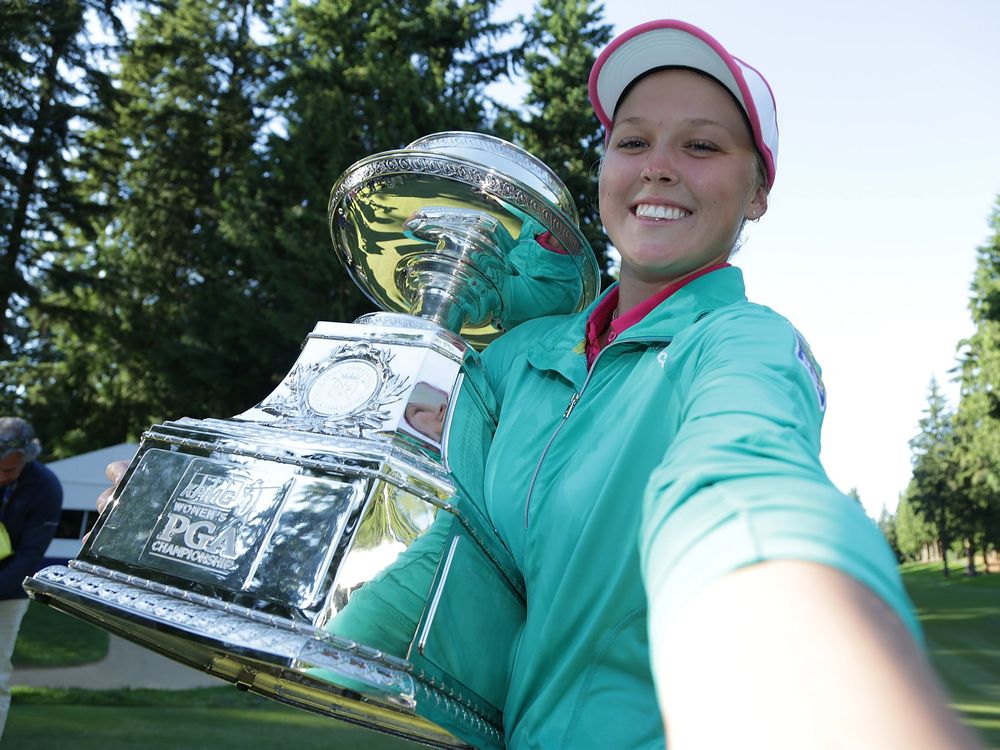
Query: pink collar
600,319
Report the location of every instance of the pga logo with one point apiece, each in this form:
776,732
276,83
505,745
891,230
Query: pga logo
199,535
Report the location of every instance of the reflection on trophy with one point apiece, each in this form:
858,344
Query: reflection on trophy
327,548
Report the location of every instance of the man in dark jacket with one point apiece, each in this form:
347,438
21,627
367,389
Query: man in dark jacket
30,502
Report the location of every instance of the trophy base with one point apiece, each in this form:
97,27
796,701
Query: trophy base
291,662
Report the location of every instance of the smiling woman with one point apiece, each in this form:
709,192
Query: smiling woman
655,471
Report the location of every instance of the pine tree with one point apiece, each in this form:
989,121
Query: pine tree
887,525
52,86
362,77
560,128
932,491
212,260
978,415
163,322
912,532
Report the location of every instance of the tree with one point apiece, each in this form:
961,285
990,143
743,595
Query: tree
932,490
191,291
361,77
561,40
887,525
158,319
977,421
914,536
52,84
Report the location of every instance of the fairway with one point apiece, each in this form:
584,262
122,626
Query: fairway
961,620
960,616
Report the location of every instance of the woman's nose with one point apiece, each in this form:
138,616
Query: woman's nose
659,167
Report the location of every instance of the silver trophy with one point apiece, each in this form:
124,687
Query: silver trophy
327,548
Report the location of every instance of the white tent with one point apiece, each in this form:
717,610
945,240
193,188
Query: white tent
82,479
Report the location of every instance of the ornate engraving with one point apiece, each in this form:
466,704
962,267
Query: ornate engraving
260,632
482,178
348,393
538,169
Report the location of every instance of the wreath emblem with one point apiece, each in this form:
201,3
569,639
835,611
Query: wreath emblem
350,392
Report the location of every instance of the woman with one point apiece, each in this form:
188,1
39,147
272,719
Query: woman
655,472
670,515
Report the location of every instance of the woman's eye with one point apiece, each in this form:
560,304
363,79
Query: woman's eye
702,146
631,142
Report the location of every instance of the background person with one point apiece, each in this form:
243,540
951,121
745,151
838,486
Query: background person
30,502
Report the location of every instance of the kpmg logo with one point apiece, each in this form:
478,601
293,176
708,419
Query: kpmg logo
204,519
221,492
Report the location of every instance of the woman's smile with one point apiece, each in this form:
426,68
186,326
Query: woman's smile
660,212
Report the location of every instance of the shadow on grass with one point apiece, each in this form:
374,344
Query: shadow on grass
217,718
49,638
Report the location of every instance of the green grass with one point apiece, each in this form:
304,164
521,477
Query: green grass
49,638
961,620
217,718
960,616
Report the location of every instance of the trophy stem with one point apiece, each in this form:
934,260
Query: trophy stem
442,288
440,307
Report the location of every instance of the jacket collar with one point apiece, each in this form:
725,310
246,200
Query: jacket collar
562,347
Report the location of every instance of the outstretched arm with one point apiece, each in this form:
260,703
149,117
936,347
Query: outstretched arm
797,655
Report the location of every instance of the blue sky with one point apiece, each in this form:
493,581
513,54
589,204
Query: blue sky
888,168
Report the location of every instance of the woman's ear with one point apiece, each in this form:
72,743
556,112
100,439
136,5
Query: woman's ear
757,206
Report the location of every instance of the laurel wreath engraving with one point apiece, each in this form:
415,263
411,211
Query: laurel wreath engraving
291,404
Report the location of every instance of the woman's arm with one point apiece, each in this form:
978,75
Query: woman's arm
796,655
777,615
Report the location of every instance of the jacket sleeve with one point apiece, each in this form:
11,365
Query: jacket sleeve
40,523
542,281
742,481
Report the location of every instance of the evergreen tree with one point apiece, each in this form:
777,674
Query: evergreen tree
361,77
52,85
162,321
561,40
913,534
212,260
977,421
932,491
887,525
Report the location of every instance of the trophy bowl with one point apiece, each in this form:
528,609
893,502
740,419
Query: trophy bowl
328,547
472,175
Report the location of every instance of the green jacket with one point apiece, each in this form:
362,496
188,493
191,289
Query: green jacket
688,450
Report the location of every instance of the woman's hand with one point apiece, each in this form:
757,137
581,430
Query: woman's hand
114,471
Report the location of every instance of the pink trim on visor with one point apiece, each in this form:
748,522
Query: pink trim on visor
666,43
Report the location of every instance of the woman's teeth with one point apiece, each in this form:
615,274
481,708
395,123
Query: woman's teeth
650,211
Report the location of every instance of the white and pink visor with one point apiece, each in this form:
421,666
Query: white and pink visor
666,43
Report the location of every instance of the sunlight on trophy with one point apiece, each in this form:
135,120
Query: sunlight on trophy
327,548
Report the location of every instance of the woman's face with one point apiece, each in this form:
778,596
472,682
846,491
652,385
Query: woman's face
679,177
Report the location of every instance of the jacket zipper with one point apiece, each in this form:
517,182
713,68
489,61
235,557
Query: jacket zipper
569,410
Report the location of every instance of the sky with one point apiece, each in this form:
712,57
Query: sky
887,173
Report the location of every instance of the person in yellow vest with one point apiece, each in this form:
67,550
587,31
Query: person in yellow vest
30,503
